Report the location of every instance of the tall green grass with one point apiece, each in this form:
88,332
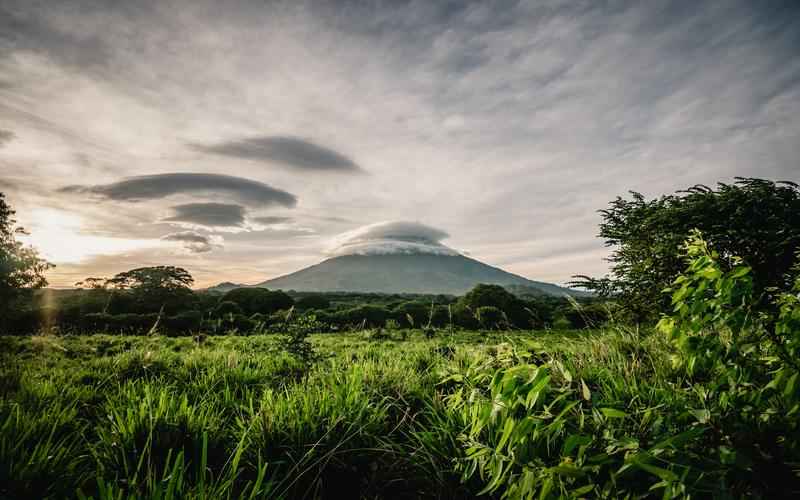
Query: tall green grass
235,417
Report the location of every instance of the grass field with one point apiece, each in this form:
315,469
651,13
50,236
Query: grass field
235,417
107,414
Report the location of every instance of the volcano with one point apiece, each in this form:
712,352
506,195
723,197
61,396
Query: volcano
400,257
404,273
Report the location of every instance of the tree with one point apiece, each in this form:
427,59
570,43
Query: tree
226,308
490,317
259,300
756,219
155,288
318,302
21,267
496,296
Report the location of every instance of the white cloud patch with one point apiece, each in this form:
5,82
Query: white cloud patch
391,237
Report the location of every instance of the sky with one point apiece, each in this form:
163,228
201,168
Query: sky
244,140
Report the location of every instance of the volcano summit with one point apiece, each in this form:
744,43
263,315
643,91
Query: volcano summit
399,257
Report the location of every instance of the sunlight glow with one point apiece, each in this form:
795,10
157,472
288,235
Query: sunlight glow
57,236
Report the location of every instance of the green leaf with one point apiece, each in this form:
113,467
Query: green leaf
613,413
507,429
702,415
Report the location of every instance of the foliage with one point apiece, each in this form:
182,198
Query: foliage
720,420
491,317
587,315
367,315
150,279
145,289
259,300
296,330
745,362
227,307
754,219
312,302
498,297
21,267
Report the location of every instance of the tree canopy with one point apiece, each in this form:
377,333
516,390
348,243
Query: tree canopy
21,267
496,296
152,278
259,300
146,289
756,219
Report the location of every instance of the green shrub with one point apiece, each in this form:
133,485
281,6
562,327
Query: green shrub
183,323
722,421
491,318
259,300
226,308
369,315
309,302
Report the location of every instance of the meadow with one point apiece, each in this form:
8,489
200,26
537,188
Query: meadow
228,417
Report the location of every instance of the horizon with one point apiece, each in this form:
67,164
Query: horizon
249,140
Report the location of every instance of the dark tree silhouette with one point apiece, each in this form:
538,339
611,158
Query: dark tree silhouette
151,289
21,267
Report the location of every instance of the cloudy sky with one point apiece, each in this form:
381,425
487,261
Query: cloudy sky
240,139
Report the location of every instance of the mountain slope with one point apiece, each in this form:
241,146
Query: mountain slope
403,273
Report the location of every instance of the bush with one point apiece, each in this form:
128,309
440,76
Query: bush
755,219
491,318
745,364
412,313
312,302
227,308
724,423
368,314
184,323
259,300
586,315
497,296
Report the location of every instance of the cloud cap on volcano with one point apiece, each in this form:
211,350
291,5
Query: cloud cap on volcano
391,238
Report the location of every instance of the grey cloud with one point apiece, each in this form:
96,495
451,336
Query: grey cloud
272,220
28,29
195,242
6,136
152,187
208,214
293,151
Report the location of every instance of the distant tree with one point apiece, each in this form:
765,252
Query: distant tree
227,307
368,314
588,315
93,284
312,302
152,279
21,267
756,219
259,300
151,289
491,317
496,296
419,313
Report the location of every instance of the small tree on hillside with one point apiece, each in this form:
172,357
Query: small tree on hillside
21,267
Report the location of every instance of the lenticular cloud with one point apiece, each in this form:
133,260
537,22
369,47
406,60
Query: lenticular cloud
390,238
